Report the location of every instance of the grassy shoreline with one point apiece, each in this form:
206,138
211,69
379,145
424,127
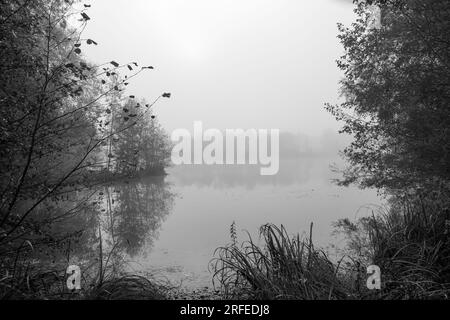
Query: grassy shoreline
409,242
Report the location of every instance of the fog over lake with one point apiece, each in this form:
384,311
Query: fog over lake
208,199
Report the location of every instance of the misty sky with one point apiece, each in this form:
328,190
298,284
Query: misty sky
229,63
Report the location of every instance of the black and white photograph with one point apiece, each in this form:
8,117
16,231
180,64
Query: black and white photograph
220,157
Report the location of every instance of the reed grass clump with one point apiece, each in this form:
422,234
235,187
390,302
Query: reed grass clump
410,243
284,268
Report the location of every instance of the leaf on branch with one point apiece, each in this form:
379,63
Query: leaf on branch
167,95
115,64
90,41
85,16
77,51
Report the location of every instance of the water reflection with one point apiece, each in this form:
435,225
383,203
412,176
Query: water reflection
135,212
108,224
212,197
170,226
292,171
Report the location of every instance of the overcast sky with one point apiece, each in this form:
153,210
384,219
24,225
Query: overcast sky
229,63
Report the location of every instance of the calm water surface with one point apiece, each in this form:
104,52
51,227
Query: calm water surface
175,223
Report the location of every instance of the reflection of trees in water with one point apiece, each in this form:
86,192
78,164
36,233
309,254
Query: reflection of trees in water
106,224
292,171
135,213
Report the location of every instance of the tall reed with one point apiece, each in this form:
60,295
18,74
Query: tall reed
284,268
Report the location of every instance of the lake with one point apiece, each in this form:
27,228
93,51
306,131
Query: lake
172,225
